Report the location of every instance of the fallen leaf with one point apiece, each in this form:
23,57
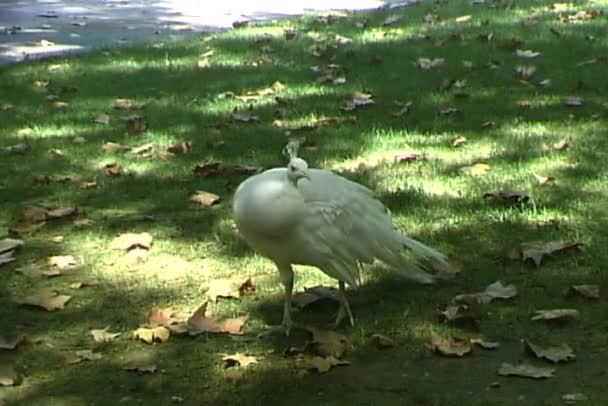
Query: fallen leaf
359,99
102,119
233,374
458,142
508,196
537,251
143,149
8,375
238,359
525,71
382,342
126,104
494,291
314,294
543,180
574,397
129,241
17,149
560,145
460,313
228,288
10,343
525,371
58,239
587,291
475,170
111,147
555,314
111,169
321,364
181,147
49,301
62,261
103,335
82,355
527,53
327,343
135,123
404,157
451,346
161,317
150,335
427,63
555,354
200,323
205,199
464,19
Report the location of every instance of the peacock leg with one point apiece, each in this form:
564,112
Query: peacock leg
286,275
344,309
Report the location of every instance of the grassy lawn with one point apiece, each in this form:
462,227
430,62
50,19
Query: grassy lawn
516,123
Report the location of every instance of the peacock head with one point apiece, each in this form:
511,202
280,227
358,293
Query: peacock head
297,169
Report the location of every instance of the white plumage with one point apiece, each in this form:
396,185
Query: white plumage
297,215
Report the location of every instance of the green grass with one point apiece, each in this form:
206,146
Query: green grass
430,200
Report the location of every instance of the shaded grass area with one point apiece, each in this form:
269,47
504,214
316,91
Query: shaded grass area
430,199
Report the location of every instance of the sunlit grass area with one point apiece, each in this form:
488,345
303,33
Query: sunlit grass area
239,96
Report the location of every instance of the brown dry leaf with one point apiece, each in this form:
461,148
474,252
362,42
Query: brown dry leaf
110,147
555,354
6,106
205,199
228,288
62,261
135,123
508,196
58,105
199,323
10,343
208,169
111,169
181,147
328,343
102,119
161,317
103,335
61,213
543,180
58,239
80,284
460,313
238,359
527,53
458,142
359,99
587,291
16,149
129,241
321,364
233,375
8,375
451,346
525,371
82,355
382,342
314,294
404,157
50,301
126,104
475,170
555,314
150,335
142,149
537,251
32,215
494,291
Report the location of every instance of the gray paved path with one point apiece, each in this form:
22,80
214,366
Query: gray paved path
32,29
